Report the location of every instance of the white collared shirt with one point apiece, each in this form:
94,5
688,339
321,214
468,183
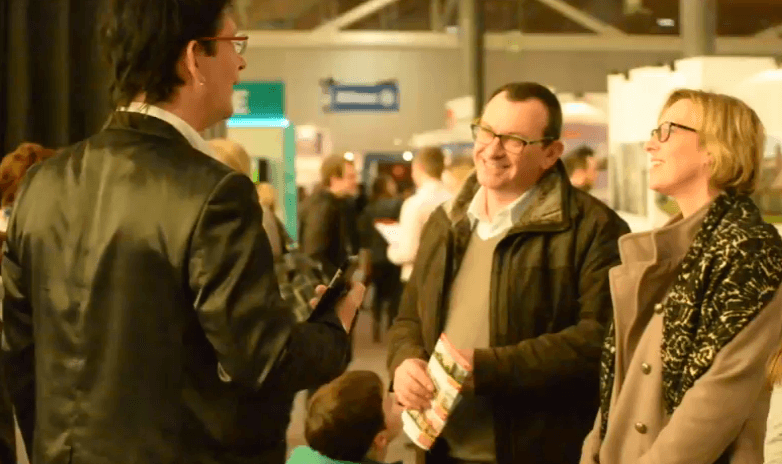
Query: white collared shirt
187,131
503,219
414,214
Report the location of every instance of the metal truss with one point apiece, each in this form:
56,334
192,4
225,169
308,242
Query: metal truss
441,14
605,38
350,17
511,41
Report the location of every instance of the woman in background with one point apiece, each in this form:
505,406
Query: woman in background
235,156
267,196
697,313
384,206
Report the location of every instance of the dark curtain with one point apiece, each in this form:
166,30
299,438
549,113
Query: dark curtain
53,82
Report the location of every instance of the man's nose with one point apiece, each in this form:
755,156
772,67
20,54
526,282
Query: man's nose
494,148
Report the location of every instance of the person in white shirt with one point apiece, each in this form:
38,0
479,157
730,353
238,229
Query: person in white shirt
430,193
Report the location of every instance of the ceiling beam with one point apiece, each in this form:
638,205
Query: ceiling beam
584,19
772,32
510,42
354,15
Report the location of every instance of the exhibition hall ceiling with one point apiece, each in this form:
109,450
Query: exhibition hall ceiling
734,17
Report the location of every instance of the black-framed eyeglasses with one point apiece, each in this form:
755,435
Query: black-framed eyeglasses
511,143
663,131
239,42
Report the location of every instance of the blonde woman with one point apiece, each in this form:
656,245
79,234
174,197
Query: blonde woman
235,156
231,154
267,196
696,308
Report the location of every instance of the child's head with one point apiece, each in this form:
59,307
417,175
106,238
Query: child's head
351,417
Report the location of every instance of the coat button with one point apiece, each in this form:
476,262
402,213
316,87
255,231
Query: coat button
646,369
640,428
658,308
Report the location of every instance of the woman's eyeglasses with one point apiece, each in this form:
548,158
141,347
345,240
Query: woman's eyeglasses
663,131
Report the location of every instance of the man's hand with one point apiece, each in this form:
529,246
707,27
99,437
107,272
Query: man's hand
469,355
413,388
346,307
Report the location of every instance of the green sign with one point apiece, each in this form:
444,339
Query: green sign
254,100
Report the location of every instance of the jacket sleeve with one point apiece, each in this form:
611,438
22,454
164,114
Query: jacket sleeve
238,301
410,225
18,335
406,336
574,352
717,407
18,347
591,447
366,225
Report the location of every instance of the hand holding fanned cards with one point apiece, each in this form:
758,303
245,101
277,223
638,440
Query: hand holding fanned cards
448,371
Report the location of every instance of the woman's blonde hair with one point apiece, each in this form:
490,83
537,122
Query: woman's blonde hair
267,195
733,135
231,154
775,369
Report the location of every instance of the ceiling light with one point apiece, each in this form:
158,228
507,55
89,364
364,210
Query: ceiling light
407,156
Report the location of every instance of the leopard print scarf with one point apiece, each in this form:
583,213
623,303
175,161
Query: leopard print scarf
730,272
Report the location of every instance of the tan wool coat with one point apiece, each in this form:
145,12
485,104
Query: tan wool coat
725,411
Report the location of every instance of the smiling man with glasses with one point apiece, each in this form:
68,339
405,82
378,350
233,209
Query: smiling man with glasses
514,271
143,319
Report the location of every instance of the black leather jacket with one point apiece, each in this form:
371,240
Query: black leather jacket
134,265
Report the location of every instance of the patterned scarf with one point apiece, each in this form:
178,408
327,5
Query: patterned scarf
730,272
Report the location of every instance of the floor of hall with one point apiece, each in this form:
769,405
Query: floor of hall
366,356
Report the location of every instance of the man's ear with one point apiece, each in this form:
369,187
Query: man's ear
553,152
190,61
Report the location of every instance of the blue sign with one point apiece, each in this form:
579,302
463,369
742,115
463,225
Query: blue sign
348,98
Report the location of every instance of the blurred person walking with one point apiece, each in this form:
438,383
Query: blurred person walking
697,311
143,320
427,169
581,166
328,226
384,207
